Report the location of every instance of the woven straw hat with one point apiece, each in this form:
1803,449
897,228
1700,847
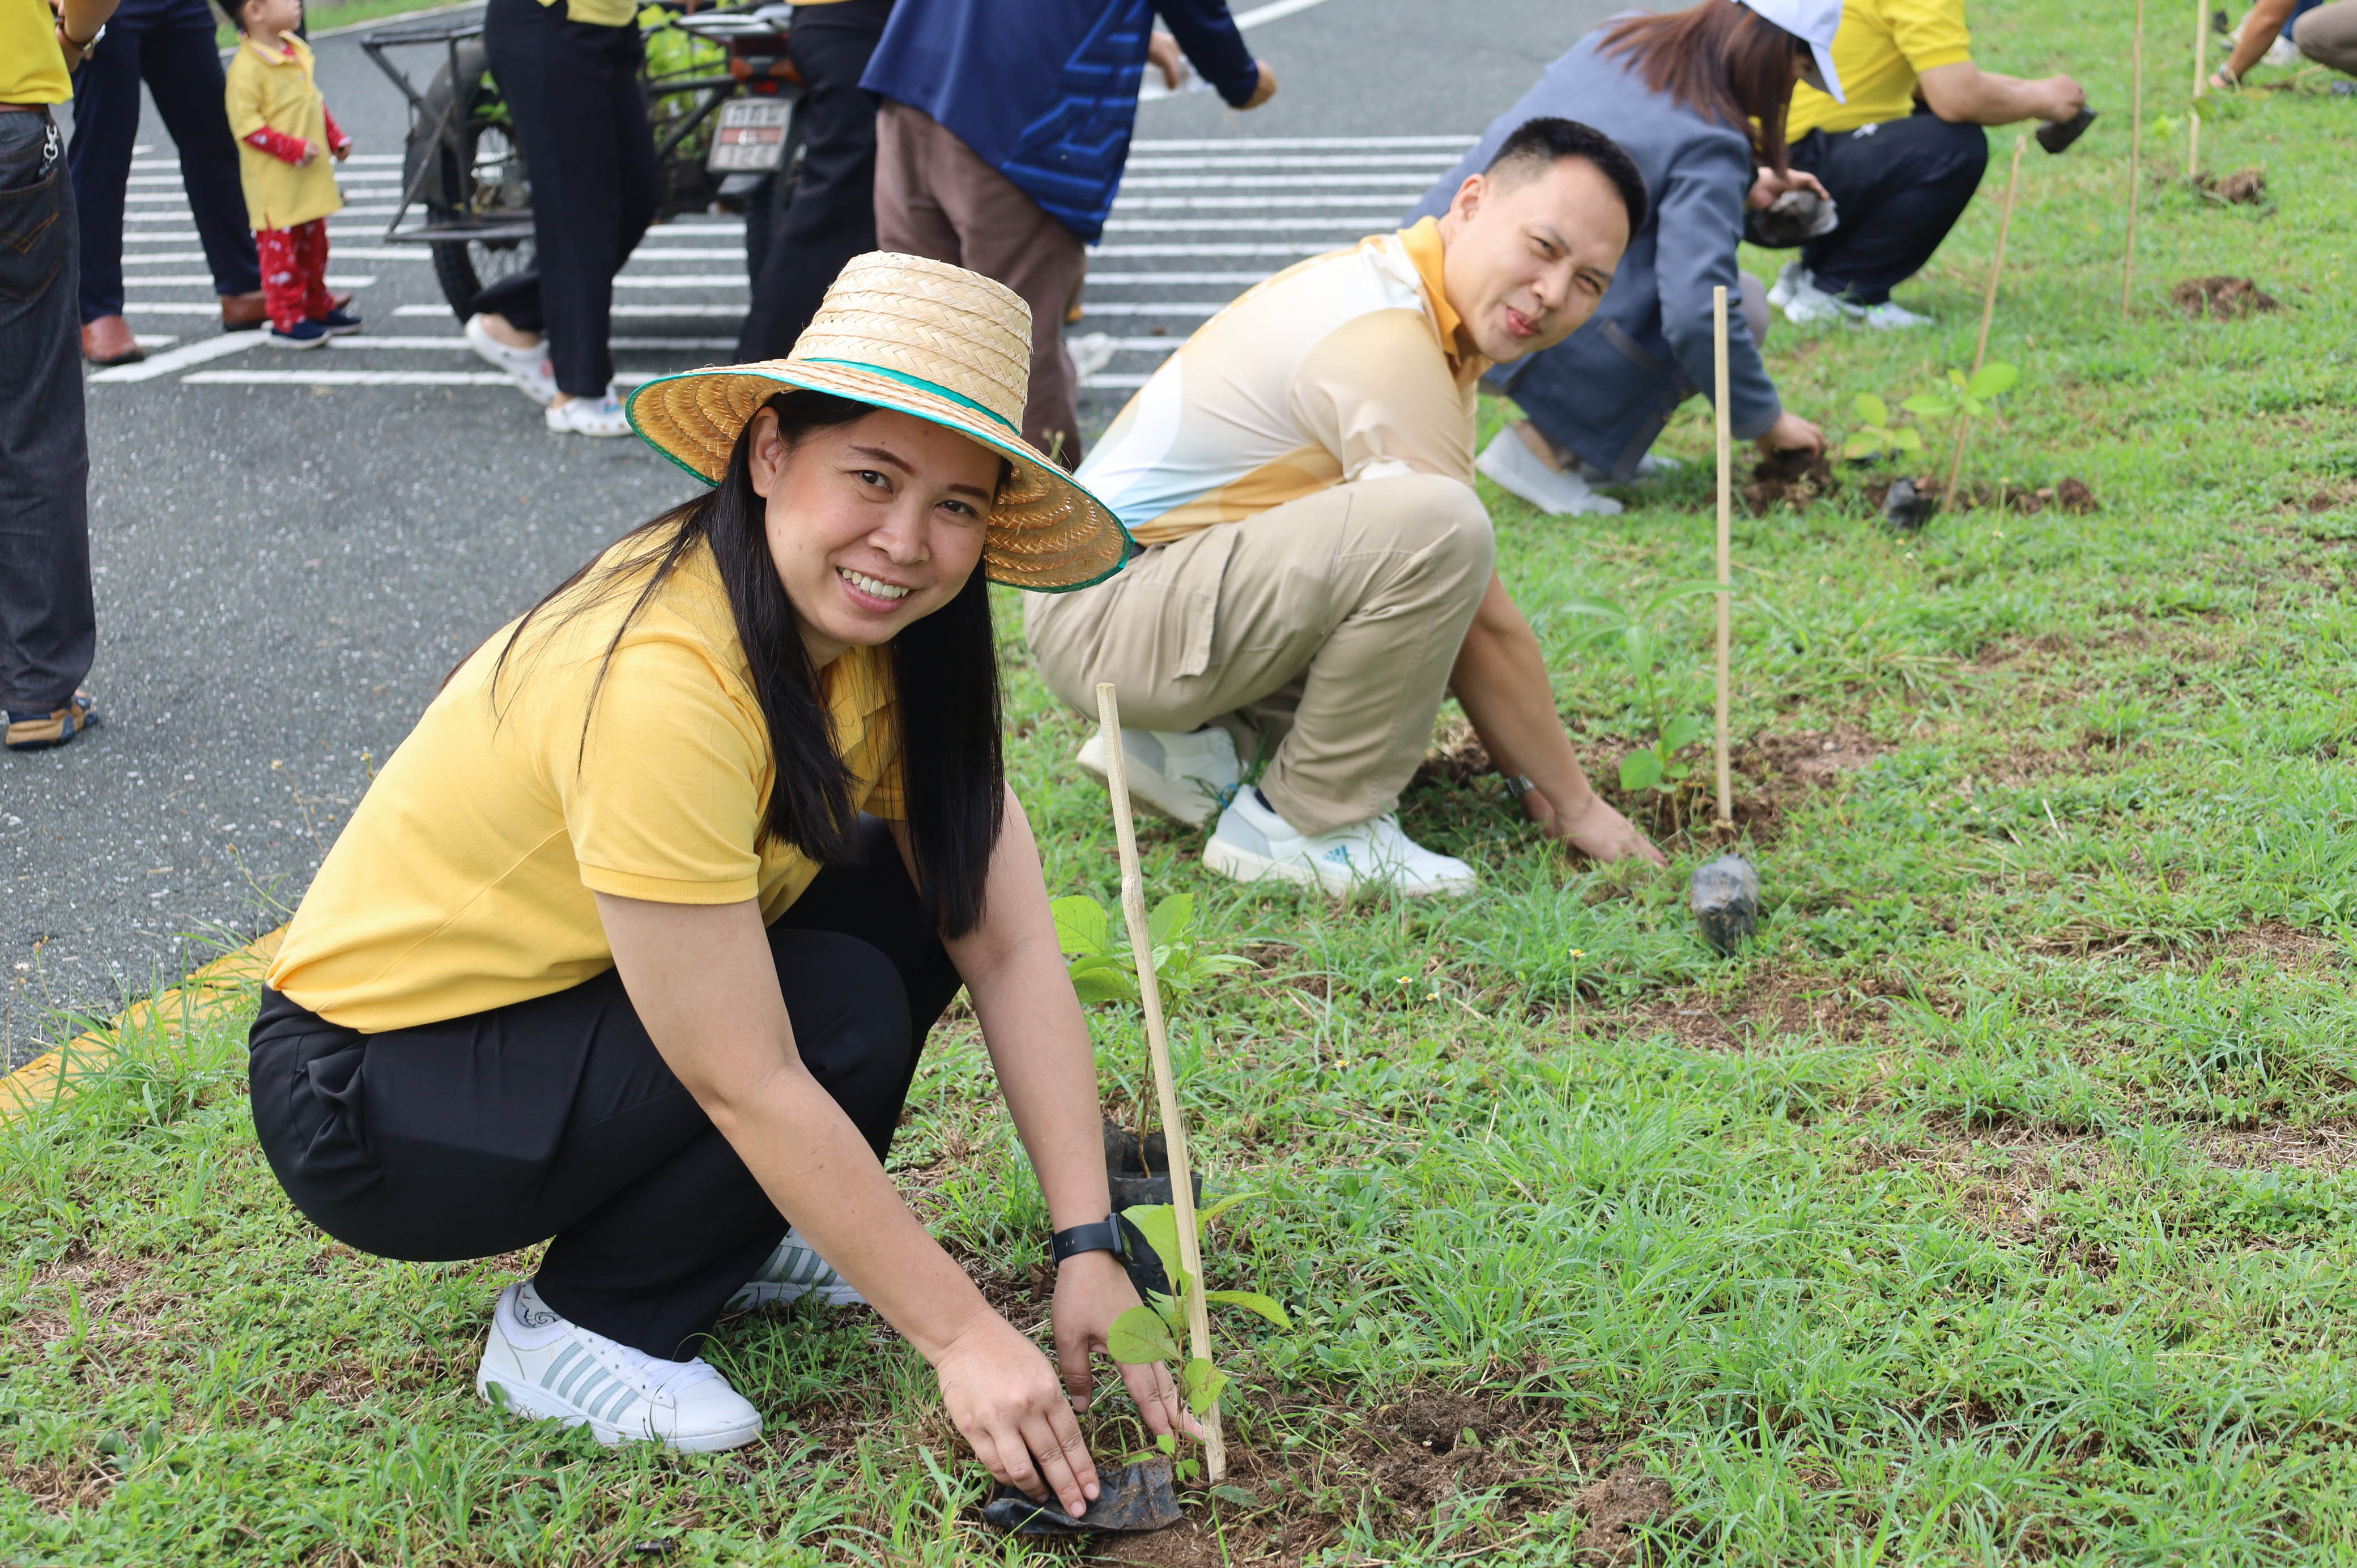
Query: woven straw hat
928,339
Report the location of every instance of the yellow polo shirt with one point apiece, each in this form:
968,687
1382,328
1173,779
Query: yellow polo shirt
466,879
1348,366
1882,46
32,67
269,89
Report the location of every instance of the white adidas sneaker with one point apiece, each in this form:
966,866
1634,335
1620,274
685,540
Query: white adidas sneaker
528,368
795,1271
1254,844
545,1369
1185,778
1514,468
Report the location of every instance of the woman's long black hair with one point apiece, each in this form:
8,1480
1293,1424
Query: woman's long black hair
1719,60
945,671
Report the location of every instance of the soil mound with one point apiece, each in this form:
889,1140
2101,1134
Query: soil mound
2071,495
2245,186
2221,298
1796,477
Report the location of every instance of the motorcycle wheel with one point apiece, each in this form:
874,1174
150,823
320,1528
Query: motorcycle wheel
484,160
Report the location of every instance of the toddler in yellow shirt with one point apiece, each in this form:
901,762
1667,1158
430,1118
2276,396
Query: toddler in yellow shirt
282,125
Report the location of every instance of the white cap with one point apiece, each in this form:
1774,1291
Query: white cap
1816,21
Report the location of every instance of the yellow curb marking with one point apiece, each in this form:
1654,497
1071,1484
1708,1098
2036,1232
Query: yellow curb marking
51,1076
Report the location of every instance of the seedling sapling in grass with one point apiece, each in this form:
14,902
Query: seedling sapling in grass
1964,400
1875,440
1659,768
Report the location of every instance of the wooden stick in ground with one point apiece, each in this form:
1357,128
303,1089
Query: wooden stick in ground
1725,429
2200,81
2135,170
1988,314
1157,1046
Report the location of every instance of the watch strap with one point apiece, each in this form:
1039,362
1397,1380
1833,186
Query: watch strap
1105,1236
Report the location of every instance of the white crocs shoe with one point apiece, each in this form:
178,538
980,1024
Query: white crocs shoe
1254,844
590,416
795,1271
1186,778
544,1369
528,368
1516,468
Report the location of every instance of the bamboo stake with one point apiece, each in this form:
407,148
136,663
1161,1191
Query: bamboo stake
1157,1046
2136,171
1988,314
1726,549
2201,79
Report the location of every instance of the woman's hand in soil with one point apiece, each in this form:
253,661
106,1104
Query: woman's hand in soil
1092,1290
1791,433
1004,1397
1603,833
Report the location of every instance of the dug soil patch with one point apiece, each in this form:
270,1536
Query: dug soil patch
1796,479
2221,298
1789,478
1777,1007
2243,187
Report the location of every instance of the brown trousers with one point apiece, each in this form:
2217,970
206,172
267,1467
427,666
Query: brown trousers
1325,629
2328,36
935,198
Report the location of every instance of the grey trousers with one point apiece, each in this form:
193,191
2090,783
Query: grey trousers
1323,630
2328,36
48,623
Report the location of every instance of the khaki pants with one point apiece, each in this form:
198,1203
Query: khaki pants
935,198
1325,628
2328,36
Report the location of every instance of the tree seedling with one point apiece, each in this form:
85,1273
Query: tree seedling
1658,768
1102,968
1875,439
1965,400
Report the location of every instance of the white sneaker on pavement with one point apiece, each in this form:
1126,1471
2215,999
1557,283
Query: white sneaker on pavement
1892,317
1254,844
590,416
528,368
1186,778
795,1271
1516,468
545,1369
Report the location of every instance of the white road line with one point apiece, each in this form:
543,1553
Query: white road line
308,378
1144,345
1124,279
1364,223
1109,382
1365,182
1208,251
1440,160
1270,143
736,312
682,279
174,163
1362,200
339,252
181,214
690,253
153,341
179,358
171,308
190,280
1270,12
460,345
1154,307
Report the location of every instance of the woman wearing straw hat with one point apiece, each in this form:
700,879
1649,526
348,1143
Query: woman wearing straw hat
636,938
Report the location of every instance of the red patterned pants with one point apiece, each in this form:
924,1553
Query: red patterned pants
294,273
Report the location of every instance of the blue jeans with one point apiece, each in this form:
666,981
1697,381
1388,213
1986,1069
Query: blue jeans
49,625
183,73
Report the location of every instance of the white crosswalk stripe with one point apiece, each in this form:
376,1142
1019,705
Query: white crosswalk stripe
1198,221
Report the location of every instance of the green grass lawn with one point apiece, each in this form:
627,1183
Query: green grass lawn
1996,1205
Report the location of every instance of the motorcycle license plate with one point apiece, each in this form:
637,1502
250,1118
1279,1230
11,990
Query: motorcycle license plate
751,135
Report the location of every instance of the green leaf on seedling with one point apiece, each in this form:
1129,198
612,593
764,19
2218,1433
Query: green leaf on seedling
1956,377
1202,1382
1185,1469
1871,409
1080,924
1865,444
1166,1442
1640,770
1098,978
1170,920
1138,1338
1996,378
1907,438
1268,1307
1929,405
1681,732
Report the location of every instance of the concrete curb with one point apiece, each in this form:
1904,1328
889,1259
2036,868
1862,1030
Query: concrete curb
50,1077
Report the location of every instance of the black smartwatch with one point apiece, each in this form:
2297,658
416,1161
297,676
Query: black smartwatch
1105,1236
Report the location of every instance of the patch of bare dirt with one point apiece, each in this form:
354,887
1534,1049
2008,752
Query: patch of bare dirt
2328,495
1812,758
2007,1180
2070,495
1789,478
56,1490
1456,755
1774,1007
2221,298
2328,1148
2243,187
2285,946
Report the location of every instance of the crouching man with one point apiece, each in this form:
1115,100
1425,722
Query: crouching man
1320,571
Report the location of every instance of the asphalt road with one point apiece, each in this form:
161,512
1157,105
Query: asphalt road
287,567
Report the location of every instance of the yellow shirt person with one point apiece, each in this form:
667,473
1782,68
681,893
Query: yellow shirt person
274,107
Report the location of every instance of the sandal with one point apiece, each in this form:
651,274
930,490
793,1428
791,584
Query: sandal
40,732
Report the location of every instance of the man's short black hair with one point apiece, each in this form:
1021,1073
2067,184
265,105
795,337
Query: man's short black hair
1536,144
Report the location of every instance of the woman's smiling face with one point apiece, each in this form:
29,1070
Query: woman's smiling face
872,525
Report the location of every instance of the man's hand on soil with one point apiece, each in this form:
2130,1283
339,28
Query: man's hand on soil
1791,433
1603,833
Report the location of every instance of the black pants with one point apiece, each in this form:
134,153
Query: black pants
48,627
580,114
832,217
182,69
1899,187
557,1117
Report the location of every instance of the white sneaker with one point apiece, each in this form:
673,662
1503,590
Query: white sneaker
1892,317
544,1369
528,368
590,416
1516,468
1805,301
1091,352
2283,51
1254,844
1185,778
1781,292
795,1271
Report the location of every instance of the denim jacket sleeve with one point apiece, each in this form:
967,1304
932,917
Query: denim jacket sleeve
1701,209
